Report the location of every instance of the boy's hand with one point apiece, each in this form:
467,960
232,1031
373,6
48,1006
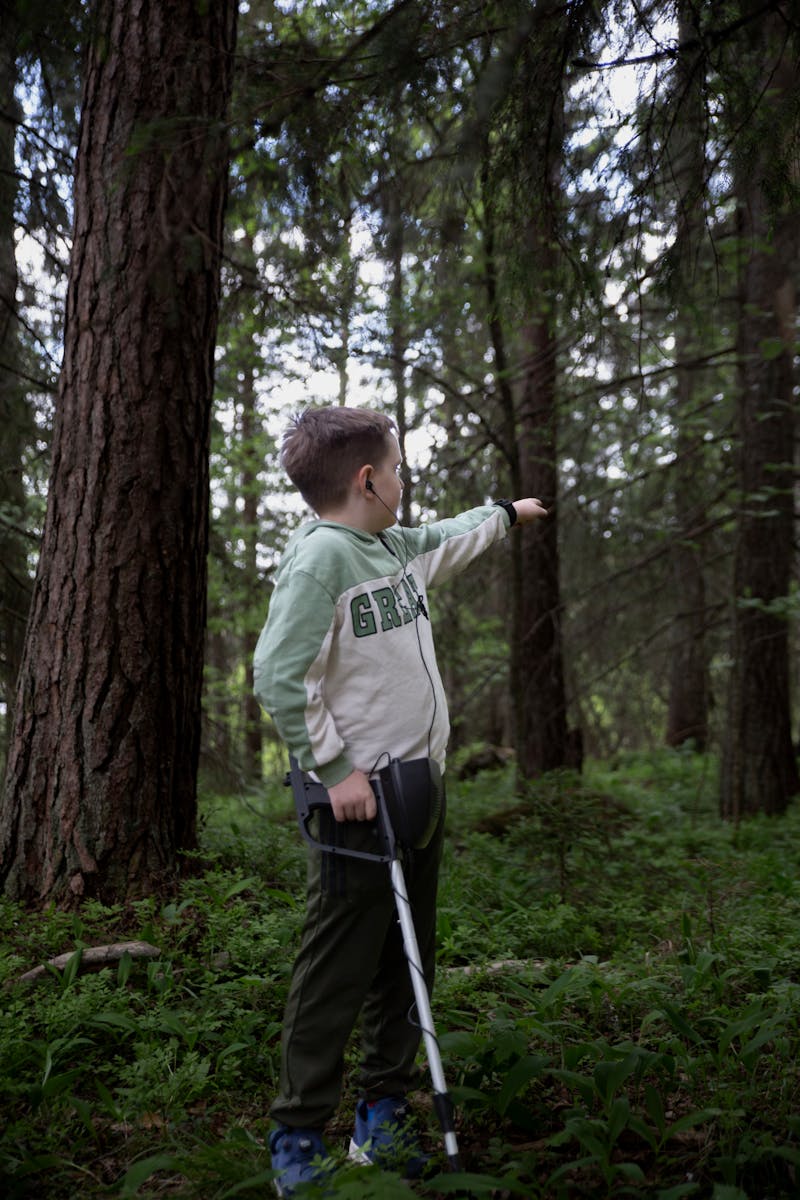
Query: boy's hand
353,799
529,510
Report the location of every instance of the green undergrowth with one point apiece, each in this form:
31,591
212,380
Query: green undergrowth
617,1001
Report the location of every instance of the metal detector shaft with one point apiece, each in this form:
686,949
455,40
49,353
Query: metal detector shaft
441,1099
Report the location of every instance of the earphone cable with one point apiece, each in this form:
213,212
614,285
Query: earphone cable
419,610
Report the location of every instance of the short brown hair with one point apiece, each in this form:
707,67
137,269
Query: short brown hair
324,447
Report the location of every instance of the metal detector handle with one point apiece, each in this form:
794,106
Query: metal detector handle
310,797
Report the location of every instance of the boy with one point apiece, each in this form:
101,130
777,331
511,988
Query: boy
346,667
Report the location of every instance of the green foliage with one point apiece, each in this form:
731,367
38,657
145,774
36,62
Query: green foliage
618,1007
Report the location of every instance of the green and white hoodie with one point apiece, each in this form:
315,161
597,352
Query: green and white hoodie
345,664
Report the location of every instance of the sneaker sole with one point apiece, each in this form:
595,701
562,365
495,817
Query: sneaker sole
358,1155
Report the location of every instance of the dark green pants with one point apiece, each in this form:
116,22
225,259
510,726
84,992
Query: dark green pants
351,961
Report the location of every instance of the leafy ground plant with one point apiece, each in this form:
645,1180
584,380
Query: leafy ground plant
618,1010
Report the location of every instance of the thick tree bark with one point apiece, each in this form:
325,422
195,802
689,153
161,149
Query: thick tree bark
101,785
759,770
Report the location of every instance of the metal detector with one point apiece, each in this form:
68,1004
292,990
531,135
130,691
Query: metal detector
409,800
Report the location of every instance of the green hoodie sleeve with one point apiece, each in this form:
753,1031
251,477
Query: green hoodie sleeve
444,548
289,673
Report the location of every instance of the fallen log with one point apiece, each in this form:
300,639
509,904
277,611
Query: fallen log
493,968
93,958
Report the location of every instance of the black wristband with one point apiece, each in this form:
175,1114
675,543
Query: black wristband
509,507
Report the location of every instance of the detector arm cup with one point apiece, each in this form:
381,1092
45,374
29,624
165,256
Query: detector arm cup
408,797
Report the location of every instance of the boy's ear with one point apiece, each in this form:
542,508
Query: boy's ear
364,478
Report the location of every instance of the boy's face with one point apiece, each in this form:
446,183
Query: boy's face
388,485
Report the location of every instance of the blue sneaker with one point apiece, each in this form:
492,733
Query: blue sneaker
385,1137
299,1156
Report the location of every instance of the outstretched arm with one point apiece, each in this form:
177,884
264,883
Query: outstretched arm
441,549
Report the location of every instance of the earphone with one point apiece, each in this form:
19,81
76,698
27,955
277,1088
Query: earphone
371,487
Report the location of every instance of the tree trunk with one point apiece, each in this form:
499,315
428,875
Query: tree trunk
395,239
251,462
100,795
687,714
14,421
219,760
539,673
759,770
537,666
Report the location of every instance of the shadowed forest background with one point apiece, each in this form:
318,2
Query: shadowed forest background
559,244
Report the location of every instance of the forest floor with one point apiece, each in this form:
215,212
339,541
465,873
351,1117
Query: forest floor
617,1001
